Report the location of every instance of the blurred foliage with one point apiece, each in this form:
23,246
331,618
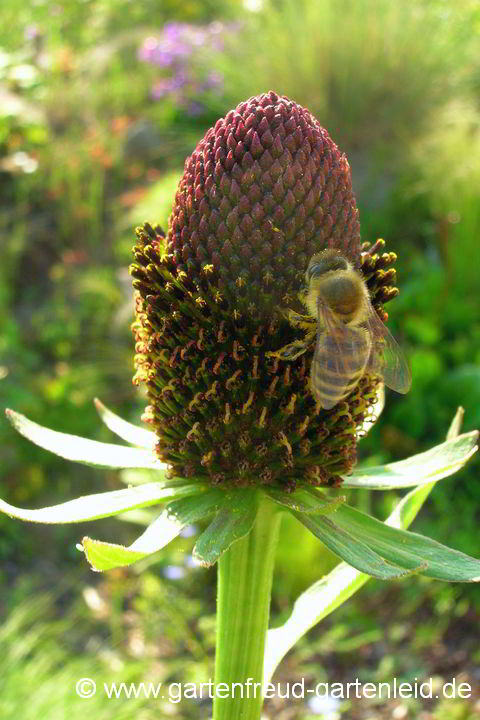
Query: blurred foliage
127,629
86,154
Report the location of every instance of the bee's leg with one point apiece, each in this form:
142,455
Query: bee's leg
291,351
301,322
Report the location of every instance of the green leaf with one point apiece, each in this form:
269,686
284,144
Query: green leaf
177,514
407,549
191,509
88,452
435,464
234,520
331,591
105,556
306,501
99,505
456,424
350,548
127,431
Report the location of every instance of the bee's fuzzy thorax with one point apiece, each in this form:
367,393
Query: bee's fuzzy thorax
343,291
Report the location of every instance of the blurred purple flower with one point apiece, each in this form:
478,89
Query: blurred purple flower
195,108
179,80
173,572
161,88
189,531
175,51
148,47
176,42
165,86
213,81
191,562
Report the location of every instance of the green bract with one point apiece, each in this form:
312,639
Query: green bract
370,546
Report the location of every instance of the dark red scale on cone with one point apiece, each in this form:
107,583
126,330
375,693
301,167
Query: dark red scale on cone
263,191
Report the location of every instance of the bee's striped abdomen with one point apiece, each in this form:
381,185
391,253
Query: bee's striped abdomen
338,364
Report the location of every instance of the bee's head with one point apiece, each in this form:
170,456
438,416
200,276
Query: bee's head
324,262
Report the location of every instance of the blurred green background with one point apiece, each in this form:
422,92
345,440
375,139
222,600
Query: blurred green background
100,102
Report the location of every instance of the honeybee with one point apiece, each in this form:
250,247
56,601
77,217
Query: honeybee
351,340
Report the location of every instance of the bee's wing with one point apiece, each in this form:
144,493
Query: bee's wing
341,354
387,358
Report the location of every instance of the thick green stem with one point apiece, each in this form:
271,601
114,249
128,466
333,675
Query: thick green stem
244,587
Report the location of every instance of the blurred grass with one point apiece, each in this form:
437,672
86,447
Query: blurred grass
86,154
50,639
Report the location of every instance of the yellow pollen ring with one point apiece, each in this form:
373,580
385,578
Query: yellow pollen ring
249,402
291,405
283,441
228,416
302,428
207,459
231,380
196,400
262,419
194,431
168,388
213,390
163,356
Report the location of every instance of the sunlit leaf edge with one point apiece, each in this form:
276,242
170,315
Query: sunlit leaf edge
100,505
127,431
82,450
432,465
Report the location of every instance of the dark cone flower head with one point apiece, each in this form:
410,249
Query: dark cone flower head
263,191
